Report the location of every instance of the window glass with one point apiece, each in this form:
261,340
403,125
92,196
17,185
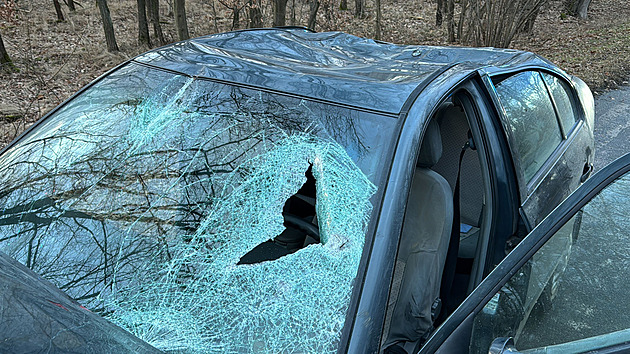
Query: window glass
156,200
561,96
531,118
574,288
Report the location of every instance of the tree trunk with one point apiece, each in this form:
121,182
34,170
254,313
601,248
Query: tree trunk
108,27
377,24
358,8
143,25
528,27
170,6
450,20
439,12
71,6
58,11
343,5
153,10
292,12
312,16
580,8
462,18
214,17
255,14
236,16
5,61
279,12
181,24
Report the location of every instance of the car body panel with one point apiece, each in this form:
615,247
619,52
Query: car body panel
43,318
403,82
561,174
330,66
564,177
455,334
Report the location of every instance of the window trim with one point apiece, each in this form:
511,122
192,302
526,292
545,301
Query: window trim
527,188
565,131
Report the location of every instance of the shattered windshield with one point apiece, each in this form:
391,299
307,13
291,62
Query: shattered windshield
199,216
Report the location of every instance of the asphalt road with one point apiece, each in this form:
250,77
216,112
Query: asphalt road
612,126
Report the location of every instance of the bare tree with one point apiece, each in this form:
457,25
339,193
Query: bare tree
439,12
170,6
143,25
279,12
312,17
377,23
60,17
445,11
528,27
236,7
108,27
359,10
5,61
450,20
343,5
255,14
493,22
180,19
214,17
71,6
580,8
153,10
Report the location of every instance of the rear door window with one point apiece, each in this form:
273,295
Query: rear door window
560,92
531,118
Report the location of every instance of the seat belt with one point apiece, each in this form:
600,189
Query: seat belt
450,264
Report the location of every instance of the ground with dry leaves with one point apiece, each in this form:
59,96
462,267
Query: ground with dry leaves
55,59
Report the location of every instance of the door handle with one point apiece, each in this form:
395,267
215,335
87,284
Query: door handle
586,172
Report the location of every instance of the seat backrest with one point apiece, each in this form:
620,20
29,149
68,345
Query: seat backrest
423,246
454,131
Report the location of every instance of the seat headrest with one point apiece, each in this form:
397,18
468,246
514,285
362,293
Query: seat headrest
431,149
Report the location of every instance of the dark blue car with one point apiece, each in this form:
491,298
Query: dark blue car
284,191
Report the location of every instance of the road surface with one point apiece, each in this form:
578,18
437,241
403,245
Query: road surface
612,126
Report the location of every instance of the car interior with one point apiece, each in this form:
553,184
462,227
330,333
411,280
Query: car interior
300,220
434,266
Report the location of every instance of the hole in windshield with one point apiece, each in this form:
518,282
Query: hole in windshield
300,222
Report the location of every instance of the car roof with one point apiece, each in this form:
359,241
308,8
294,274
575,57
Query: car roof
330,66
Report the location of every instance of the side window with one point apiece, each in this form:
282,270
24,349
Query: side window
560,91
573,292
531,118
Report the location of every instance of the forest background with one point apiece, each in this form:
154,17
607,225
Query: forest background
51,48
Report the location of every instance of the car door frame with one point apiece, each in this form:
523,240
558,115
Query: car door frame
544,191
366,314
503,189
455,333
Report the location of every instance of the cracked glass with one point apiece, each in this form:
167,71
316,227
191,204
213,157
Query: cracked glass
143,197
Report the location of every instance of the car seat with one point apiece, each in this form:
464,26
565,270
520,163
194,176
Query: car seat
422,252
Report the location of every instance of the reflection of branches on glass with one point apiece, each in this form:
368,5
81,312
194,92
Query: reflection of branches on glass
110,189
125,197
531,117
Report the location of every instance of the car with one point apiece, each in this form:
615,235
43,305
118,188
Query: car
279,190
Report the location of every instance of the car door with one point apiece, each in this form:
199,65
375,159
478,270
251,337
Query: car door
550,139
513,308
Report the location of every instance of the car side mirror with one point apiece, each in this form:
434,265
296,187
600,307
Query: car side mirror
503,345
